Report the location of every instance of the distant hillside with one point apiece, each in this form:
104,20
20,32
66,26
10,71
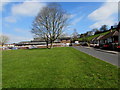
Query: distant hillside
93,36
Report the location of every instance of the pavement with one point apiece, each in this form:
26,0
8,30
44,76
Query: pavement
105,55
107,51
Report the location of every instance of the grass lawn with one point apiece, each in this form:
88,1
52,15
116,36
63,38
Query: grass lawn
93,36
63,67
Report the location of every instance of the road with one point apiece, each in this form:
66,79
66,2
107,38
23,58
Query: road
108,57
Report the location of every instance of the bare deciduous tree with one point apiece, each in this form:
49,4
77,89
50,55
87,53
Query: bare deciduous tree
3,39
75,34
63,35
50,23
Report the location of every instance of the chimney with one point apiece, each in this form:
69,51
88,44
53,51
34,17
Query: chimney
111,29
118,26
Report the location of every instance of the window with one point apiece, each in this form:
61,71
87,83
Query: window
109,40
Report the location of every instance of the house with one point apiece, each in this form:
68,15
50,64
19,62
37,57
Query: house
109,40
95,42
65,40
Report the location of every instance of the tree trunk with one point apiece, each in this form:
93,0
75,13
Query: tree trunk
51,46
47,44
2,45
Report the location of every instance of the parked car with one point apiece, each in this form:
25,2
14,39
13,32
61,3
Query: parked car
118,48
84,43
96,45
14,48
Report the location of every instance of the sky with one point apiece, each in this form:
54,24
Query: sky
17,17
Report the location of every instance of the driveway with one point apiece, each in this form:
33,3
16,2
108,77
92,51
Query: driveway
108,57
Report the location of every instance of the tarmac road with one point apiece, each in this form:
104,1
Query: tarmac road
108,57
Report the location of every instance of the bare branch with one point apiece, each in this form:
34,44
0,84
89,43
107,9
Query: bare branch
50,22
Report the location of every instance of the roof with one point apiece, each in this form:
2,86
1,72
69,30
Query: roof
25,42
65,38
110,34
32,43
57,40
94,38
38,40
100,37
97,38
116,33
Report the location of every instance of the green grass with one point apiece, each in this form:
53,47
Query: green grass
93,36
63,67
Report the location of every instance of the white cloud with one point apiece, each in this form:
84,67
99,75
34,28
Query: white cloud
19,30
98,24
76,16
19,35
105,11
76,20
10,19
73,15
27,8
104,14
16,38
112,1
23,31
